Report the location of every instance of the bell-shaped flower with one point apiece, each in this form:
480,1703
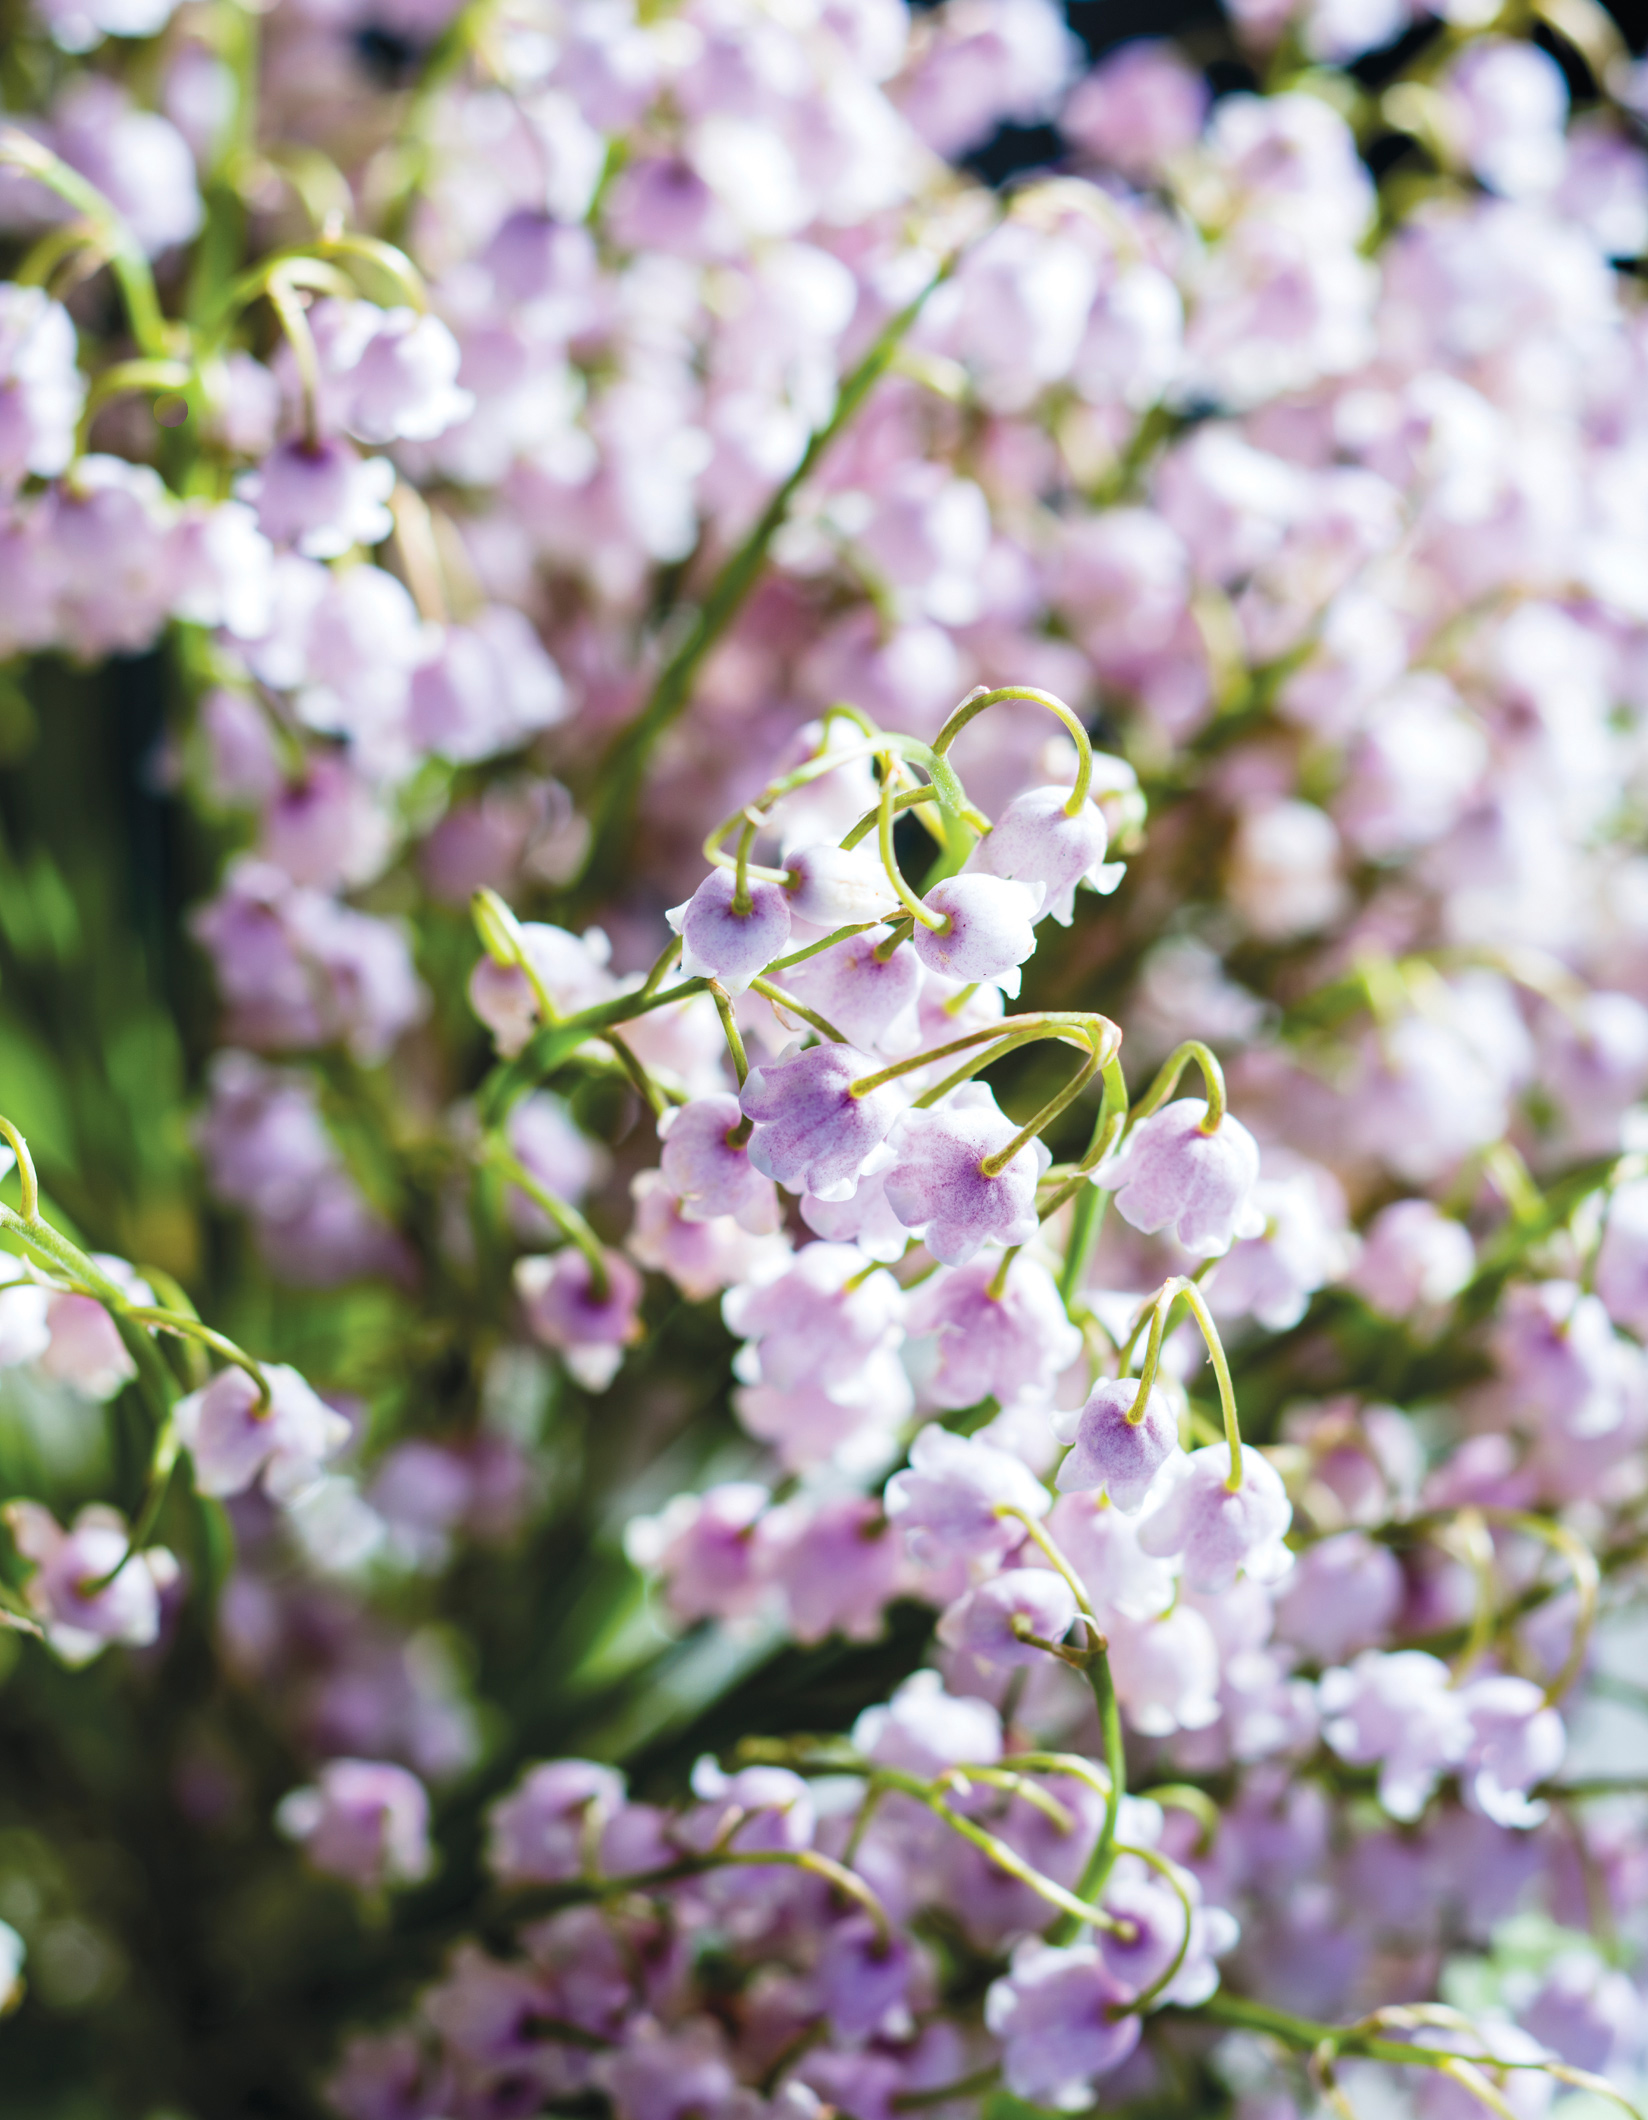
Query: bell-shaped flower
1035,842
1400,1711
364,1820
838,886
234,1441
589,1327
923,1730
1009,1346
540,1833
701,1258
718,941
992,1623
988,930
952,1499
835,1564
852,1422
817,1323
938,1186
863,1218
1102,1546
704,1549
708,1173
1165,1670
321,497
758,1810
84,1590
811,1133
1060,2016
1111,1451
1155,1917
1517,1742
869,999
862,1978
570,968
41,387
1344,1596
1197,1186
1214,1530
1413,1257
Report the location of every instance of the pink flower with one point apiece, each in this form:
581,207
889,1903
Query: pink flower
1199,1187
836,1563
1214,1531
1400,1711
541,1832
701,1258
719,942
41,387
862,1977
1138,109
869,999
1113,1452
818,1323
707,1174
1517,1741
590,1329
938,1187
704,1548
991,1622
838,886
1035,842
1008,1347
988,932
811,1133
1413,1256
364,1821
82,1613
321,498
954,1495
572,969
233,1442
1058,2014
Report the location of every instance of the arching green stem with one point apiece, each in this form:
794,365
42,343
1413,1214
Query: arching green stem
1167,1081
26,1178
978,701
1102,1049
1221,1371
566,1218
125,254
1087,1217
907,898
786,1001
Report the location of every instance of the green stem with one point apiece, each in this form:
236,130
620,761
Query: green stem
1221,1370
735,1044
907,898
780,999
1167,1081
978,701
190,1328
126,257
1087,1220
566,1218
827,942
993,1165
1099,1863
26,1179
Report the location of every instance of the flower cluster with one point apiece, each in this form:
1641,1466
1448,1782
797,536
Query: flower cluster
714,666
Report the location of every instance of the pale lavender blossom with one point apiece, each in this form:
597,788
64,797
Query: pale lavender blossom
1109,1449
838,886
234,1441
817,1323
41,388
955,1496
1344,1596
1156,1916
589,1327
1517,1741
1062,2019
869,999
704,1548
988,931
88,1588
363,1820
571,969
546,1829
812,1133
837,1566
1007,1345
1398,1711
321,497
1413,1256
992,1623
1034,841
1198,1186
708,1174
862,1977
1214,1530
937,1185
489,687
718,941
